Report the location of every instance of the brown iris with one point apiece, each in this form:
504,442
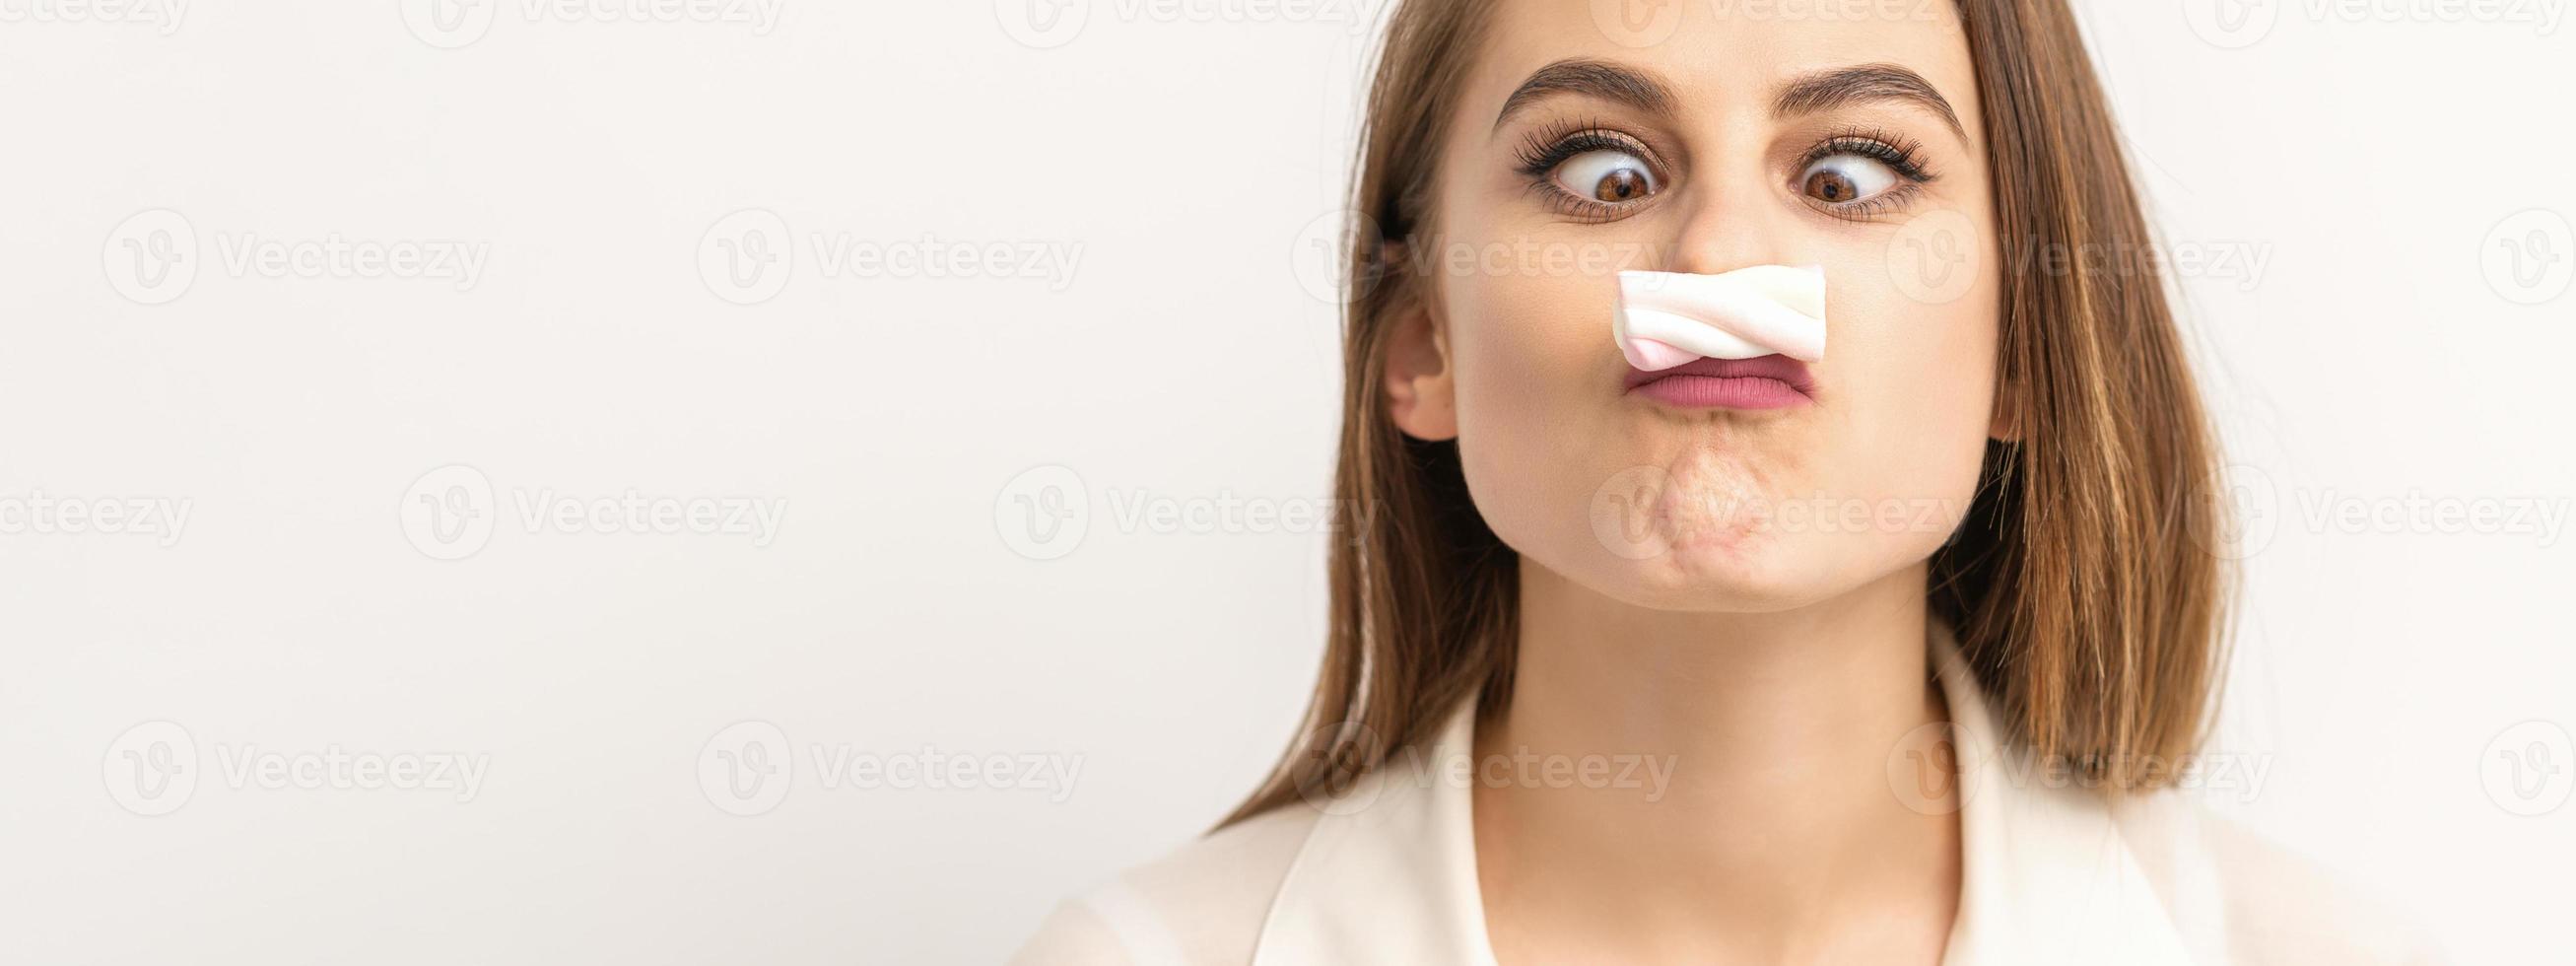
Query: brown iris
1830,185
1624,184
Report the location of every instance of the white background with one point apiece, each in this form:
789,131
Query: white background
900,603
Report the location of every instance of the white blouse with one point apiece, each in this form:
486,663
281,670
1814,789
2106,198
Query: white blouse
1386,873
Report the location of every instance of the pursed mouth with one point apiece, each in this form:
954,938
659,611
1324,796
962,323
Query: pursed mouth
1762,382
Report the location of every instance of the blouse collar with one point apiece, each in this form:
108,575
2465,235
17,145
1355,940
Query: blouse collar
1388,873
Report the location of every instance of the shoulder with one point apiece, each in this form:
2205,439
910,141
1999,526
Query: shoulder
2241,897
1204,902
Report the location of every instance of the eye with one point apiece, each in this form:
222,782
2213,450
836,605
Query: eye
1847,178
1859,174
1606,176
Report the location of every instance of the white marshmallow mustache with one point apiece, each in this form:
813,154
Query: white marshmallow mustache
1665,319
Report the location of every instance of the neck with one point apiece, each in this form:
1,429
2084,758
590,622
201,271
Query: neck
1774,832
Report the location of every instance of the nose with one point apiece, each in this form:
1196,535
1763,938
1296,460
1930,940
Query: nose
1735,223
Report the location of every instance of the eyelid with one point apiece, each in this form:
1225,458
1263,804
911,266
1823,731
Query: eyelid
1546,149
1902,154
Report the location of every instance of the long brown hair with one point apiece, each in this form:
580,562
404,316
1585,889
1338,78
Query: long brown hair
2086,583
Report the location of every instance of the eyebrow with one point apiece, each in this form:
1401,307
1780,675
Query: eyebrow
1596,78
1822,90
1842,86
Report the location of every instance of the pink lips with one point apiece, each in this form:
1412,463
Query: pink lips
1762,382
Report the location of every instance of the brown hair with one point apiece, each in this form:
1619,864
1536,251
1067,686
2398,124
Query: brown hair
2085,583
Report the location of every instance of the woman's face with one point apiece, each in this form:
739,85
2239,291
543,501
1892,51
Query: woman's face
1845,135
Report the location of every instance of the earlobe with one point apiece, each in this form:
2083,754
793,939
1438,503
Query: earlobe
1421,396
2005,425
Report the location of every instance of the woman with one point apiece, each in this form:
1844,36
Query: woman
1838,586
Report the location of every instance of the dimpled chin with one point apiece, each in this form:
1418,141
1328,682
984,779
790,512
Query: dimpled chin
1720,547
1713,502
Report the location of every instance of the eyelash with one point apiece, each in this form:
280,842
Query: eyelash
1543,150
1899,153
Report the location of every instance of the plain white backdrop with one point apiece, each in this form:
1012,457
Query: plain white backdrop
782,481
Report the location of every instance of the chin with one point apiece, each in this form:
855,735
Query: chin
1745,576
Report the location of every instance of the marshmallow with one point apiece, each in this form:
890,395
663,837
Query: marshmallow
1665,319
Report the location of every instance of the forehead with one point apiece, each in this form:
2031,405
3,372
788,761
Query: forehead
1725,56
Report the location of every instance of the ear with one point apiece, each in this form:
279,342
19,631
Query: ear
2005,425
1421,395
